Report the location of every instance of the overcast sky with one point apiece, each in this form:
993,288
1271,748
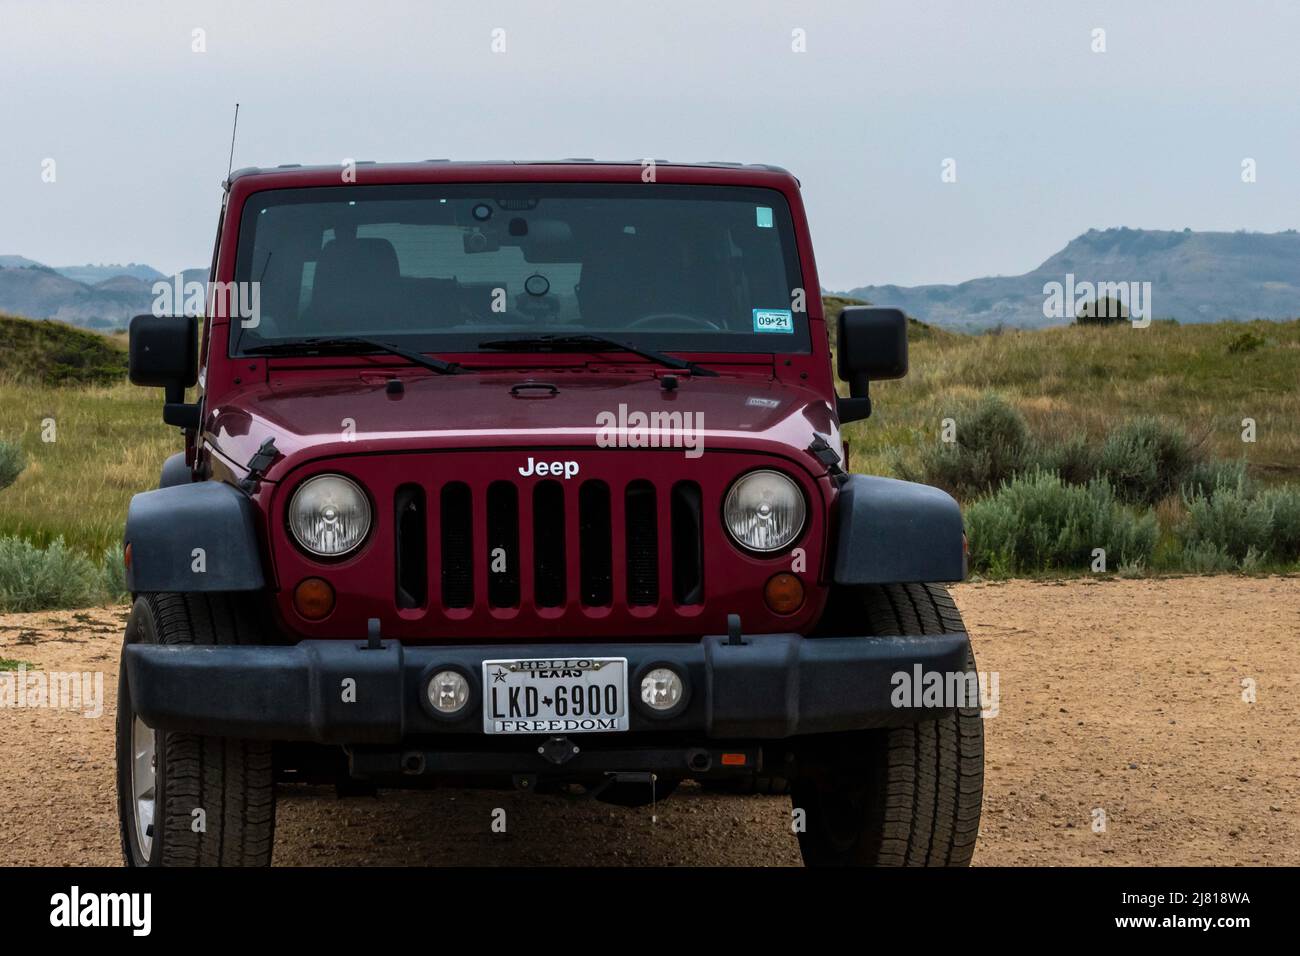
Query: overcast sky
1049,138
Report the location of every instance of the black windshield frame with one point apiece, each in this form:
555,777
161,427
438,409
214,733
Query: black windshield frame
798,341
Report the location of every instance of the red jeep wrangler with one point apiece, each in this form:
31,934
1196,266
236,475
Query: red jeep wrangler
531,475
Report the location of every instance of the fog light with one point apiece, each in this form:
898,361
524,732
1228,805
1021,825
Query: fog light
661,689
783,593
448,691
313,598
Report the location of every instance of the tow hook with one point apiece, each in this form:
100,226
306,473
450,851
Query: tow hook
735,637
558,750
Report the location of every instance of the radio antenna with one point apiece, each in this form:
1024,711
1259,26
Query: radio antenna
231,165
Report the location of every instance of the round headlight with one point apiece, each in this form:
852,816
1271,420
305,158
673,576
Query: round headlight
764,511
329,515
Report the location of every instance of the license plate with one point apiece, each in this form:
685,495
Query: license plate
555,695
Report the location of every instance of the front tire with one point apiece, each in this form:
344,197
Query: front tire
185,799
905,796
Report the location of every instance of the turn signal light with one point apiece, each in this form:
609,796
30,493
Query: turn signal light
783,593
313,598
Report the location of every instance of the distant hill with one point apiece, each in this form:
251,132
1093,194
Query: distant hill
1194,276
16,262
95,297
50,353
93,275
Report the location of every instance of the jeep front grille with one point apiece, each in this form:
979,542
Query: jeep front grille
546,544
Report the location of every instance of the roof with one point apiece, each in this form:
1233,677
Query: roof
558,170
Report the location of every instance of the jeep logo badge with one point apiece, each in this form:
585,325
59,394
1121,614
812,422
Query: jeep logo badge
566,468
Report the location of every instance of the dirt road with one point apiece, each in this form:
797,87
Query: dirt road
1122,698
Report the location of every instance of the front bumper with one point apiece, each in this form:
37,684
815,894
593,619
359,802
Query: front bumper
770,686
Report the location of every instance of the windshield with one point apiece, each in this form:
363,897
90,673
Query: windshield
444,268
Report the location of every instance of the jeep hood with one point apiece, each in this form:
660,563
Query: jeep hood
312,418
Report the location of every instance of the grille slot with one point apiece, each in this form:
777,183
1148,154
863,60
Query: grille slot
503,544
548,544
595,545
688,543
457,533
411,524
642,544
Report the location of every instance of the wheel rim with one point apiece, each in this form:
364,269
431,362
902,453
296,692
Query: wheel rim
144,783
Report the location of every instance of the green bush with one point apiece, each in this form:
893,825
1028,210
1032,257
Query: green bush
113,574
992,446
1230,523
1103,311
1145,460
1283,504
12,463
1247,341
1039,523
1206,477
36,579
1206,557
1075,459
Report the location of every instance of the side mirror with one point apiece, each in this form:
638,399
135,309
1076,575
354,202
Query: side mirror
164,353
872,347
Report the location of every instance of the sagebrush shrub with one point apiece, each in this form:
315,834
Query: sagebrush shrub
1283,504
992,445
1075,459
1205,557
1039,523
1145,460
12,463
1206,477
113,574
1246,341
39,579
1231,520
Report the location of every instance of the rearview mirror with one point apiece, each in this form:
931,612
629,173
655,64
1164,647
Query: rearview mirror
164,353
872,347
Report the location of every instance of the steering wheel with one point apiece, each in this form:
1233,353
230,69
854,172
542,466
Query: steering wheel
654,318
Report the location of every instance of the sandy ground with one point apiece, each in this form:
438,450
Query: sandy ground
1115,697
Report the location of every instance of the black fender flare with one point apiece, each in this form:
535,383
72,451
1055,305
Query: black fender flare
175,471
897,532
199,536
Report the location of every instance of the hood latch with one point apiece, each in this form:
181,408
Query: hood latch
821,450
258,464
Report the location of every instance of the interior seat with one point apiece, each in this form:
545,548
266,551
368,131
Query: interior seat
355,287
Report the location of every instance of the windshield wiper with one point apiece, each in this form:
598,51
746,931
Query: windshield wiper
583,342
352,343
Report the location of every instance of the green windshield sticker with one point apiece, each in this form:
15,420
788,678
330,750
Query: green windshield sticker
764,216
774,320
